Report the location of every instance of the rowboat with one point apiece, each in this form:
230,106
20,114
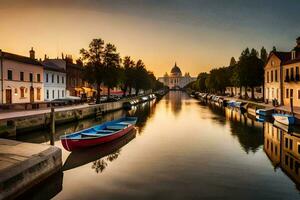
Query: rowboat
98,134
87,155
284,119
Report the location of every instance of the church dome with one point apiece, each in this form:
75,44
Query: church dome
176,70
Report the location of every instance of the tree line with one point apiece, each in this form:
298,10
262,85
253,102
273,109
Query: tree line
247,72
104,66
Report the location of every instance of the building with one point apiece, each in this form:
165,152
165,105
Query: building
175,80
282,76
75,83
54,79
21,78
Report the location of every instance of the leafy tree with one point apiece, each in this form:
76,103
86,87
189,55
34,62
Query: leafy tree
94,69
263,55
128,70
112,71
232,61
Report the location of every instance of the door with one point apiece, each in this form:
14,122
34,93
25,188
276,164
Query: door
31,94
8,96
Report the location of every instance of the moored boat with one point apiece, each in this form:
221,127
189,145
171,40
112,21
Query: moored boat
284,119
265,112
98,134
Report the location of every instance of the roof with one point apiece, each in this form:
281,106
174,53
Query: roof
283,56
72,65
19,58
175,69
48,65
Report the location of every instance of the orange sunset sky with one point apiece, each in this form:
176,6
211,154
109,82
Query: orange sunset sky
198,35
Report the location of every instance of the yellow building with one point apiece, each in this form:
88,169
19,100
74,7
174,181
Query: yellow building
282,76
272,140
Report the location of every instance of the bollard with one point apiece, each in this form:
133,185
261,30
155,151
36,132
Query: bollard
52,124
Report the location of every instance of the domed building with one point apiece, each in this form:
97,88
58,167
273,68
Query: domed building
175,80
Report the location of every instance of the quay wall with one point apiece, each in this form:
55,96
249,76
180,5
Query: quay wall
9,127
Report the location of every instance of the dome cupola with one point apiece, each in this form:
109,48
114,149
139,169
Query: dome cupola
176,71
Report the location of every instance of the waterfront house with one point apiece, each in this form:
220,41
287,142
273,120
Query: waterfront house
291,77
21,78
75,83
273,76
54,79
282,76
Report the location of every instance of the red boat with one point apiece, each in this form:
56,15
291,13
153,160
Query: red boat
99,134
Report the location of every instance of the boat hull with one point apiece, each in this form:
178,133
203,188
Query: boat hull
284,119
74,144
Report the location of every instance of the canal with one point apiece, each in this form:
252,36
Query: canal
181,149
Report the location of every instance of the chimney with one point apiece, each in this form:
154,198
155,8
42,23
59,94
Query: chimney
298,42
32,53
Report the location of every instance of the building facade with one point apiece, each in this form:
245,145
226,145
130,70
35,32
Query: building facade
75,83
21,78
54,79
282,77
175,80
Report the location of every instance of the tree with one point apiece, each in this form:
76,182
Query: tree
274,49
232,61
128,71
141,79
263,55
112,71
94,69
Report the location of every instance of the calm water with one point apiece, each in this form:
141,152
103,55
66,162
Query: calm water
181,149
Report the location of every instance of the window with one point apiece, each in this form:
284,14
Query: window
286,159
58,94
30,77
47,78
287,73
21,76
47,93
38,77
286,143
52,94
287,93
62,93
267,77
291,144
298,94
57,78
22,92
292,74
276,77
271,76
63,79
38,93
291,93
298,148
293,54
52,78
9,74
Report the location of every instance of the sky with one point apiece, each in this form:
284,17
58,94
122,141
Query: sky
197,34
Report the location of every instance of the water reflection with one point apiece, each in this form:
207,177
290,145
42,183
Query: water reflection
96,154
175,99
283,150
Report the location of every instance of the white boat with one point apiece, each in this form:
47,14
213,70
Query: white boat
284,119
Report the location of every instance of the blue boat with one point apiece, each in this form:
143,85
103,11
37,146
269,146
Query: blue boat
98,134
284,119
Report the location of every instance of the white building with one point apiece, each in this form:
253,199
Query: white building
175,80
21,79
54,79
